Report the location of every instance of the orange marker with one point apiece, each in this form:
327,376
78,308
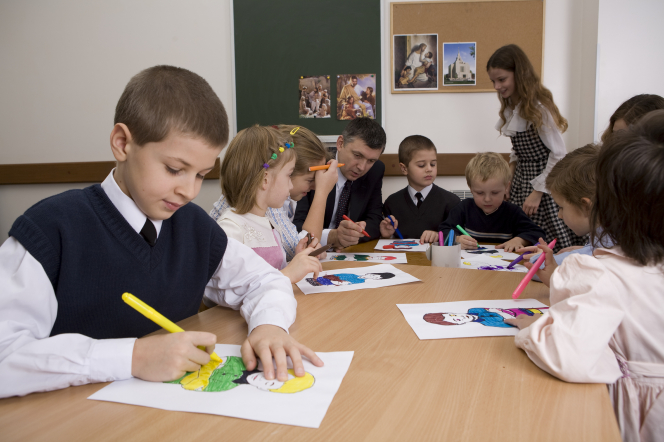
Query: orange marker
363,231
327,166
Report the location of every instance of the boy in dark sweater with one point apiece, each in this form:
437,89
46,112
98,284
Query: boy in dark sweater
70,257
487,216
418,209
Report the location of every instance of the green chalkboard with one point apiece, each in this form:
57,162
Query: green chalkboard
276,42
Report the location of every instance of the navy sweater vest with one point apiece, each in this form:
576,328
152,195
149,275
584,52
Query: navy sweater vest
92,256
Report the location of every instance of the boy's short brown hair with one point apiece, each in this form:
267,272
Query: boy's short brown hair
487,165
412,144
164,98
573,177
242,169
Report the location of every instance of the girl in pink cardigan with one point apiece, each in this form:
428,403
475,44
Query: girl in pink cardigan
606,321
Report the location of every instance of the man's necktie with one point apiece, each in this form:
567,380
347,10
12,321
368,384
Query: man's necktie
418,195
149,233
342,207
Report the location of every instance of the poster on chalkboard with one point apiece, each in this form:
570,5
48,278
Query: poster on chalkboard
415,62
314,96
356,96
459,63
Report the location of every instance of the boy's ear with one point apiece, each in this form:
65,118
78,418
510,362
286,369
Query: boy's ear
120,142
404,169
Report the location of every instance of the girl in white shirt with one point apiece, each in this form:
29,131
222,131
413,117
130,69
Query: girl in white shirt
531,119
256,175
606,322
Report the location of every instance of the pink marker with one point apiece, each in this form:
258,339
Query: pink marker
524,282
440,238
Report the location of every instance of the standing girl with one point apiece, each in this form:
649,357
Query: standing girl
310,152
606,322
531,119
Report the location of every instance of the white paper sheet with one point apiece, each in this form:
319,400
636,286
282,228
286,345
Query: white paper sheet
344,280
467,318
392,258
304,408
490,251
489,263
401,245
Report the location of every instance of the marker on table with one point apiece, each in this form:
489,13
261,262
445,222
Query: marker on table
395,228
363,231
158,318
325,167
518,260
524,282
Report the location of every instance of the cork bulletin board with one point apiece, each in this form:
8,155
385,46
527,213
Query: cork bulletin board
490,24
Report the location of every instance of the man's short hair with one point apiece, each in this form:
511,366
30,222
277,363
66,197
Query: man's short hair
412,144
164,98
486,165
573,177
367,130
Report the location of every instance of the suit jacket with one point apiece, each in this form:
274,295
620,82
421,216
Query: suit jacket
365,204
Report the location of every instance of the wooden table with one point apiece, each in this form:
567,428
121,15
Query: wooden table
397,387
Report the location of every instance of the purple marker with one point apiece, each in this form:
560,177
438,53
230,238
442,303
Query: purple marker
516,261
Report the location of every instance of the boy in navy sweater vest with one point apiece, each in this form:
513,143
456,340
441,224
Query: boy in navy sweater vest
418,209
487,216
70,257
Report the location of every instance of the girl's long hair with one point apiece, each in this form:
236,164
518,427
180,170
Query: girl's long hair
528,87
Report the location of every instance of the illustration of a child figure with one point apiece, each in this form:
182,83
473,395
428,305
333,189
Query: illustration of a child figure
404,80
491,317
346,278
363,258
304,109
231,372
426,62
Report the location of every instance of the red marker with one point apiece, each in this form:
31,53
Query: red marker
363,231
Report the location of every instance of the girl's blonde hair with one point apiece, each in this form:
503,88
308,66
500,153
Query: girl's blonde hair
528,87
310,150
253,152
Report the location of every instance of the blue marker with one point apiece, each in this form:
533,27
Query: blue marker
450,241
397,230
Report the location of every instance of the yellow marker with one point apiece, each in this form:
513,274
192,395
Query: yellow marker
292,132
158,318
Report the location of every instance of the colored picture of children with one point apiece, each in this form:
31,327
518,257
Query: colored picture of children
355,96
314,97
346,278
491,317
231,373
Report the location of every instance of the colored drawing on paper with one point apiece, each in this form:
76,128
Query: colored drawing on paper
490,317
480,252
346,278
343,257
231,373
401,245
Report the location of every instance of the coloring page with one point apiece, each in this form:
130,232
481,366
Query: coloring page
466,319
396,258
485,250
344,280
227,388
489,263
396,245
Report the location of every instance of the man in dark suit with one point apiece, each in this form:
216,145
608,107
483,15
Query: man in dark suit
358,190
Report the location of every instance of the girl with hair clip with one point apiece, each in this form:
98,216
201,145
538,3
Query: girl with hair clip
530,118
256,207
606,322
631,111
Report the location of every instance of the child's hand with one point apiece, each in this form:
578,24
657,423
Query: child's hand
550,264
163,358
512,244
532,202
386,228
301,265
467,242
428,236
347,234
269,341
523,321
325,180
303,243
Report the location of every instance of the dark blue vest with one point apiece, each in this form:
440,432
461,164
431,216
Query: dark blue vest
92,256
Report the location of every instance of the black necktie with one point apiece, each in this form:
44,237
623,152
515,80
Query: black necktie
342,207
418,195
149,233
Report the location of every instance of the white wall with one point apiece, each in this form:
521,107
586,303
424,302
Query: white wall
64,65
630,37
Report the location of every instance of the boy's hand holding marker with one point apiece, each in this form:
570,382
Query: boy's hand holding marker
388,227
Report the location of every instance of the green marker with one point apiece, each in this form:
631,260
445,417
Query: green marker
463,231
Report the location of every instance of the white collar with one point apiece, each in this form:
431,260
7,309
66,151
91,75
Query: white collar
424,192
126,206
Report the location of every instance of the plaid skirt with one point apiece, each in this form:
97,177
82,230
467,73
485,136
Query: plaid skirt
533,156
